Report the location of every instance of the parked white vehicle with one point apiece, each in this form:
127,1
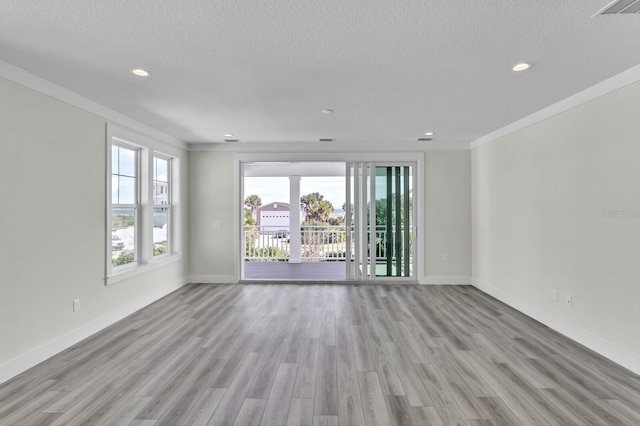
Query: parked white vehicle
116,243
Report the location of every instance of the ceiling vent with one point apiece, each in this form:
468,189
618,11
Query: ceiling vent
326,140
619,7
424,139
231,140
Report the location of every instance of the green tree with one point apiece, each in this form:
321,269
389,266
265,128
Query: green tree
336,221
253,203
248,217
316,208
381,211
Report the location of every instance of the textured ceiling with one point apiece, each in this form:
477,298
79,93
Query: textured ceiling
263,70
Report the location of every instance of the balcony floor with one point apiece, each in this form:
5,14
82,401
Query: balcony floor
306,271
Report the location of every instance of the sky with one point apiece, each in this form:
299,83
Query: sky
273,189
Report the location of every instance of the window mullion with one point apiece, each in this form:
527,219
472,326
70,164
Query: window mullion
161,197
146,209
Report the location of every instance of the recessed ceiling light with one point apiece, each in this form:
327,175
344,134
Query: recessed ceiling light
228,135
521,67
327,111
140,72
429,134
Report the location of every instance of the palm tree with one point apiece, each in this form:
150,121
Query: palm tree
253,203
316,207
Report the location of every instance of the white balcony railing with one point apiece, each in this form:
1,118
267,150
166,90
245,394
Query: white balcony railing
318,243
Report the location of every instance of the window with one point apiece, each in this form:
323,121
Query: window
142,204
124,205
161,204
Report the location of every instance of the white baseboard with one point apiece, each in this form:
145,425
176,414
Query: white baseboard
212,279
444,280
595,343
24,362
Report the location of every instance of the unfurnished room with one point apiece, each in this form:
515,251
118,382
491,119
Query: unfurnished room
319,213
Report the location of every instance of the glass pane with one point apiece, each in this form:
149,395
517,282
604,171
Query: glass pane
127,162
114,159
160,231
127,190
161,172
384,223
123,236
160,193
161,181
393,221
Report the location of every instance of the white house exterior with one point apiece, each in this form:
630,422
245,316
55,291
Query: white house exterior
273,217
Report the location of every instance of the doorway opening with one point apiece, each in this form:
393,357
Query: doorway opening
381,217
327,221
294,221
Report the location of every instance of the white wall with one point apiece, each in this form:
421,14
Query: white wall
447,192
538,200
214,255
52,250
447,214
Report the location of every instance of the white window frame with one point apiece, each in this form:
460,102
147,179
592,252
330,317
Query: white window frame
147,149
135,206
169,205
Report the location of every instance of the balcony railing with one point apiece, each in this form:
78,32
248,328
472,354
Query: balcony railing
318,243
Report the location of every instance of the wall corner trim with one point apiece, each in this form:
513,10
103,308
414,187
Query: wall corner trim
29,359
595,343
618,81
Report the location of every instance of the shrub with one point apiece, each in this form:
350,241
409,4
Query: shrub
159,249
123,258
268,254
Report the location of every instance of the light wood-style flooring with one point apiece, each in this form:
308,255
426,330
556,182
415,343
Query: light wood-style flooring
300,354
329,271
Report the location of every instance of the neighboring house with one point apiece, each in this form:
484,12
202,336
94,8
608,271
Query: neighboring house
273,217
160,198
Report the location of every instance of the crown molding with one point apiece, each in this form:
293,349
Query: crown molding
618,81
39,84
306,146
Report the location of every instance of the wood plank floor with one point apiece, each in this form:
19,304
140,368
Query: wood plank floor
329,271
292,354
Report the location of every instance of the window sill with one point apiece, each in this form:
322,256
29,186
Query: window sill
130,272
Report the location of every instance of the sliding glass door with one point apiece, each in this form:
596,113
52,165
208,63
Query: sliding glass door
380,217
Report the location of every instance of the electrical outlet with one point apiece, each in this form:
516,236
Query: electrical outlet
569,301
555,295
445,257
76,305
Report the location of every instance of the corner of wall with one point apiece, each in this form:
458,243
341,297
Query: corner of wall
595,343
18,365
